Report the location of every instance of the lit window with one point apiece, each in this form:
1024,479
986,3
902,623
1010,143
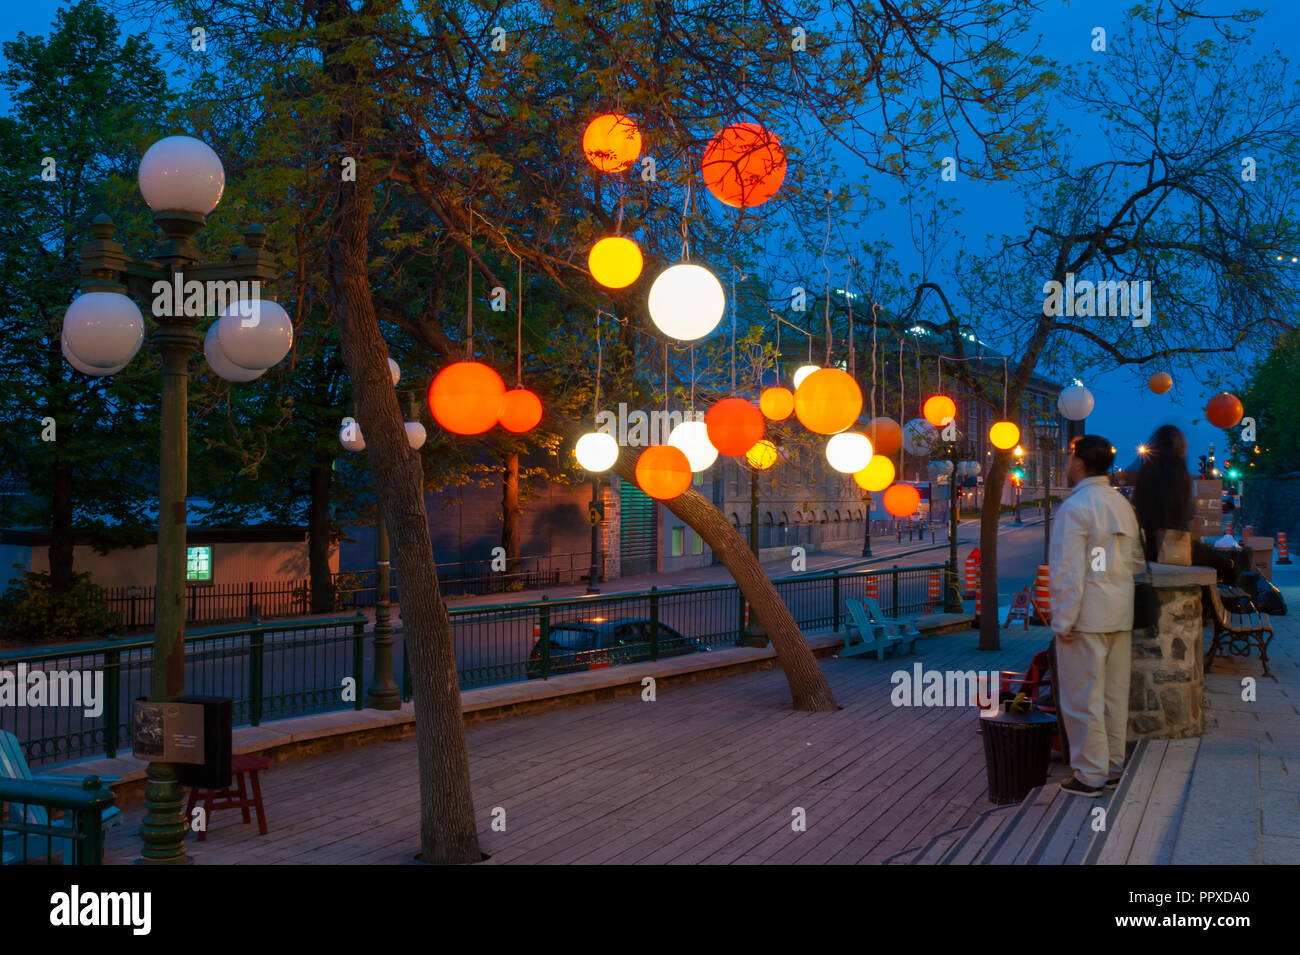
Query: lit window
198,564
697,544
678,537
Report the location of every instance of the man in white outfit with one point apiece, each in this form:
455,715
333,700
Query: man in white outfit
1095,555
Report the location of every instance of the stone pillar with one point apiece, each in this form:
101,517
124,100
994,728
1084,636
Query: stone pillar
1168,659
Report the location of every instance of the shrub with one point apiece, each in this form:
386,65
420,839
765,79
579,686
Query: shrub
30,610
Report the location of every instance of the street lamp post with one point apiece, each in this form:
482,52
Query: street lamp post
952,594
1047,434
866,538
754,635
593,517
182,180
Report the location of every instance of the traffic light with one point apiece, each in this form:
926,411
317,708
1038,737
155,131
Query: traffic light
1018,477
1204,463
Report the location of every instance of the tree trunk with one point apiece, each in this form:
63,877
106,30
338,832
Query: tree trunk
61,529
448,833
990,515
809,689
319,535
510,511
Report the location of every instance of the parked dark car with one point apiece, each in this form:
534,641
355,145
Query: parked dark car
598,643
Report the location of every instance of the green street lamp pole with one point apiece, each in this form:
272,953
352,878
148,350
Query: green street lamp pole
383,692
106,268
952,593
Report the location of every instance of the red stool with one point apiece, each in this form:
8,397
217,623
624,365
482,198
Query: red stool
237,798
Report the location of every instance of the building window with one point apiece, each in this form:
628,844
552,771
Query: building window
697,544
698,479
678,535
198,565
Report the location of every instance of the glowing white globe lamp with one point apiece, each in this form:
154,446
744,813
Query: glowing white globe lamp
394,372
596,452
181,174
103,330
803,372
85,369
350,435
416,434
692,439
223,366
255,333
686,302
848,452
1075,403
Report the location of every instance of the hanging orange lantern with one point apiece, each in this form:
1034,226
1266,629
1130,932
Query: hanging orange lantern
877,475
1160,382
1224,410
734,426
744,165
762,455
939,410
777,404
611,142
663,472
466,397
521,410
902,500
885,434
1004,435
615,262
828,401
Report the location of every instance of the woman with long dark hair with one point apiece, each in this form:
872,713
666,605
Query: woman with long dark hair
1162,497
1162,494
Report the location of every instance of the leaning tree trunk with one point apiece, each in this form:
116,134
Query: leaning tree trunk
447,830
319,537
990,515
808,686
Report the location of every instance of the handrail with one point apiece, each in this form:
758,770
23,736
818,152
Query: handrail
595,599
206,633
86,804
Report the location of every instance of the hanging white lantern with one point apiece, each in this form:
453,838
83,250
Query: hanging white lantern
1075,403
182,174
918,437
686,302
596,452
103,330
848,452
255,333
692,439
416,434
350,435
394,372
803,372
220,364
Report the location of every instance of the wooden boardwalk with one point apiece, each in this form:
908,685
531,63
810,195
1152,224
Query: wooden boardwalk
711,772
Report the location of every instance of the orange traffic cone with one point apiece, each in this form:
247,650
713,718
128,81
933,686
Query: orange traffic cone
1283,557
972,573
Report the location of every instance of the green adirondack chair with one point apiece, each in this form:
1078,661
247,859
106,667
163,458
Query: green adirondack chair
875,632
13,765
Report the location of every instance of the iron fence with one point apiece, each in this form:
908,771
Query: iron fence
281,669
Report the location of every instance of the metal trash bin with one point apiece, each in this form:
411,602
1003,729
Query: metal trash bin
1017,748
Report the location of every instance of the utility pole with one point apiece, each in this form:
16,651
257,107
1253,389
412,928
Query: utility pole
952,593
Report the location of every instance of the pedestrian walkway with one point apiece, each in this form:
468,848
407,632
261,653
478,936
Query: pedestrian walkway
716,771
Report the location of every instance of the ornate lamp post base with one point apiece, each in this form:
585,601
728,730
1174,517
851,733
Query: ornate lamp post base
164,826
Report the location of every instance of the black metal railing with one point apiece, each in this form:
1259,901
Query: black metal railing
280,669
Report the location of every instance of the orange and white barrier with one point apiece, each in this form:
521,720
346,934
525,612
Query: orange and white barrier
972,574
1043,593
935,594
873,587
1283,556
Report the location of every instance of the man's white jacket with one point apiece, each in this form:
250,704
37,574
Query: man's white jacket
1095,555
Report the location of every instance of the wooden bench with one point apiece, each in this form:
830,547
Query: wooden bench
1238,626
227,798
